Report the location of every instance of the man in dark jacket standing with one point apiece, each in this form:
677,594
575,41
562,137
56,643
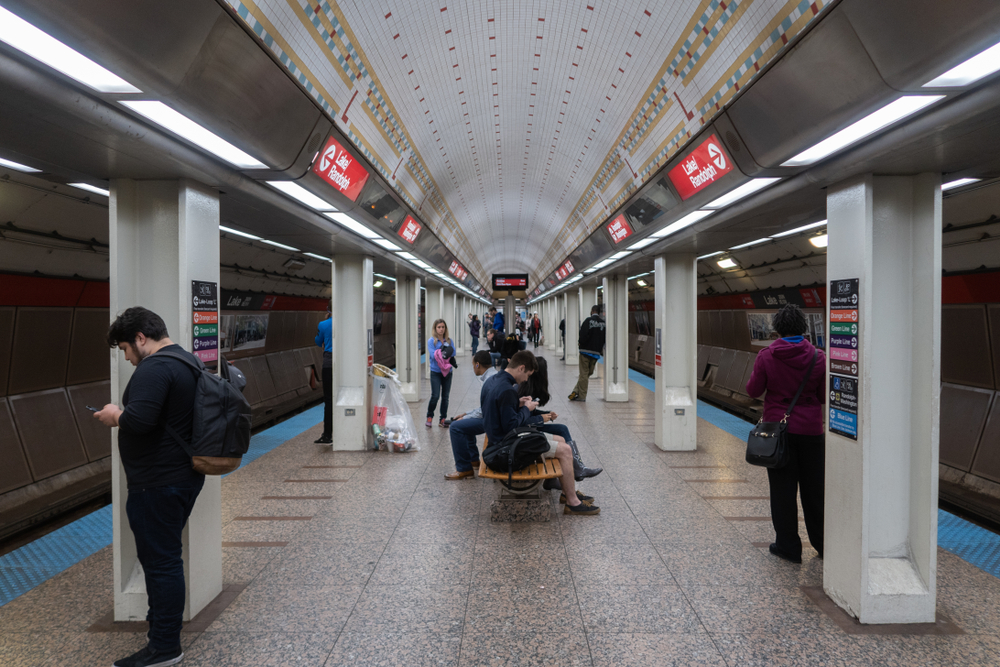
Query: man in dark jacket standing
162,485
591,342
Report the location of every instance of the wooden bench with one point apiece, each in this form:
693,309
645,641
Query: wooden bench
524,480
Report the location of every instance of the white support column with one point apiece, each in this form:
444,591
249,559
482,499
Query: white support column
551,325
353,305
676,338
560,319
572,353
466,309
164,234
588,299
882,487
408,336
435,311
616,342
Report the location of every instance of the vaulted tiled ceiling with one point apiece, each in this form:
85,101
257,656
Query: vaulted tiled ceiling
515,127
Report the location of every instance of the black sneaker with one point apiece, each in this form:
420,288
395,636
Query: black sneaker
582,509
324,440
148,657
773,548
586,500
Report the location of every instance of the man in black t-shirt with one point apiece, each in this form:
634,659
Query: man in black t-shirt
162,486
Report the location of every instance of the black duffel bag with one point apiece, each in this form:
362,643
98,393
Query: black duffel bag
767,444
518,449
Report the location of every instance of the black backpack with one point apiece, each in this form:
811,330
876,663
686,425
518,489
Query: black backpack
518,449
511,345
220,434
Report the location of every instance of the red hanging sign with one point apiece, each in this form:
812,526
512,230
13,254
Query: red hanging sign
339,168
456,270
619,229
701,167
409,230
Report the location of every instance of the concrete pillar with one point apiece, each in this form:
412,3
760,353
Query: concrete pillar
352,306
572,352
164,234
616,341
588,299
676,340
435,311
551,325
509,314
882,462
560,302
408,336
467,308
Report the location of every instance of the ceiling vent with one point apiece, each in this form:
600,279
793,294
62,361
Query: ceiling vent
295,264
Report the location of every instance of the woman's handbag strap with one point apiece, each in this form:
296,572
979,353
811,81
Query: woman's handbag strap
791,406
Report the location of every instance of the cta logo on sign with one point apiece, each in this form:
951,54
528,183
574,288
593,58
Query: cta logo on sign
336,166
701,167
409,230
619,229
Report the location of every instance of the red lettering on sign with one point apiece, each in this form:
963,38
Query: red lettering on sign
701,167
409,230
619,229
339,168
205,318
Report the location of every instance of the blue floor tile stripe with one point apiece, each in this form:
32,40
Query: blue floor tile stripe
34,563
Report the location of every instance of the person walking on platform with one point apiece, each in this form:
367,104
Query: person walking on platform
780,370
498,322
324,339
591,342
465,427
440,377
162,485
536,329
562,334
474,333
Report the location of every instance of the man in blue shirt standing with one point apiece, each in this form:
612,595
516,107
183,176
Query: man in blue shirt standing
498,320
591,344
324,339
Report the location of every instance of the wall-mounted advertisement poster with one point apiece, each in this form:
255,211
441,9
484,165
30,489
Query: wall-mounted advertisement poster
249,331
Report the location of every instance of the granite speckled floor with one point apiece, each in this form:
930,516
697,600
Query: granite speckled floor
400,567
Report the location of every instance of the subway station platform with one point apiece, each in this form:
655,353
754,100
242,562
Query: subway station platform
363,558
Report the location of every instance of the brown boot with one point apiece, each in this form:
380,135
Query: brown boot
458,474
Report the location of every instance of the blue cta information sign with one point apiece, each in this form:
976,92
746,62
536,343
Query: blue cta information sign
844,352
205,317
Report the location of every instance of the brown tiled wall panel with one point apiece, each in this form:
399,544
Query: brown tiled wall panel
305,330
736,372
317,357
747,373
714,355
48,432
89,354
725,364
987,461
265,385
965,346
384,345
96,436
6,340
306,362
250,391
728,320
40,350
715,328
702,360
279,374
278,330
963,415
703,328
14,472
993,310
648,352
296,375
742,331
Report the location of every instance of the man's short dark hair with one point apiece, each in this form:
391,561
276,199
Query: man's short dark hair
523,358
596,310
789,321
482,358
135,321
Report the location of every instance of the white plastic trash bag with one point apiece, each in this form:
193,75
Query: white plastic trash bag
391,420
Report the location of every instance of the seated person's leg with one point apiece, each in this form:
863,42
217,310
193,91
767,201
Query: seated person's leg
463,442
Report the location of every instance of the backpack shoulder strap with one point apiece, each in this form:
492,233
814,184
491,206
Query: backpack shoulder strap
791,406
184,444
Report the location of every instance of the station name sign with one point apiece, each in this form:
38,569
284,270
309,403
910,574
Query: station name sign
339,168
619,229
510,281
456,270
564,270
702,167
409,230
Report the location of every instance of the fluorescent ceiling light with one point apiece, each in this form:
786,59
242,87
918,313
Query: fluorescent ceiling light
299,193
739,193
973,69
279,245
711,254
239,233
407,255
315,256
726,263
90,188
642,244
797,230
350,223
388,245
870,124
382,275
618,255
641,283
819,241
30,40
422,264
747,245
17,166
184,127
639,275
686,221
947,186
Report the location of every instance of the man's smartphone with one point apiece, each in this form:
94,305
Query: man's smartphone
92,408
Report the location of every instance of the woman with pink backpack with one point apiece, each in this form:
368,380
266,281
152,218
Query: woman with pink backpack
441,353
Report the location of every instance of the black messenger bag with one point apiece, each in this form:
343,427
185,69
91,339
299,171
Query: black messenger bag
767,445
518,449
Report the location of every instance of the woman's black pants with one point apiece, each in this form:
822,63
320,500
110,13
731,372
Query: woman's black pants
803,476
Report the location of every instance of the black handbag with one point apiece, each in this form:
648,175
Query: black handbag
518,449
767,444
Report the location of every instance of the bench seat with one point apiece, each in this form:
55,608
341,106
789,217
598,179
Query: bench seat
547,469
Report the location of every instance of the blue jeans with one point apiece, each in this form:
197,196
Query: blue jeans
555,429
157,517
475,344
463,441
440,386
495,358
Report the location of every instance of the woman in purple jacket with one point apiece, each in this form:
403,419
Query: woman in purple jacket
779,371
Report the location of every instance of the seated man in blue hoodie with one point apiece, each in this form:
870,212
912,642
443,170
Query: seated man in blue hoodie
465,427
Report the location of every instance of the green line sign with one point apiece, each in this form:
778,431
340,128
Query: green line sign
846,328
206,330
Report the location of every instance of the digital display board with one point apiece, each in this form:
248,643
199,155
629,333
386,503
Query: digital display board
506,281
700,168
339,168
